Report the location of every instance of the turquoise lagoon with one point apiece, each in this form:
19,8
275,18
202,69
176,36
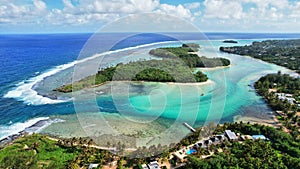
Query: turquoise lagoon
145,106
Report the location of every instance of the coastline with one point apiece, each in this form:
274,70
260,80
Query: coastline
191,84
203,83
282,68
109,83
36,127
269,119
132,131
214,68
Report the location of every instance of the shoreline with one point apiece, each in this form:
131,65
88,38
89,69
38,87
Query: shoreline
191,84
34,128
10,139
203,83
272,122
214,68
146,82
78,129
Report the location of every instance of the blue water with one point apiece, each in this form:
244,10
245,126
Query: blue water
190,151
23,57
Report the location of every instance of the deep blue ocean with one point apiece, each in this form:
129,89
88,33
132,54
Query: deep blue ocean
25,56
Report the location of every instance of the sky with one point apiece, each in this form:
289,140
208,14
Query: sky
71,16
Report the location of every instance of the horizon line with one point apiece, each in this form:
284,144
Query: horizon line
204,32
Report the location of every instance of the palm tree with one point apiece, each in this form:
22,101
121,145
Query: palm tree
73,141
80,141
90,142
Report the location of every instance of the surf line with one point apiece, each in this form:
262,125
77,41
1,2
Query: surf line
25,92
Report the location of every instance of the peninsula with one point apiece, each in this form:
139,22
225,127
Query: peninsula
176,65
281,52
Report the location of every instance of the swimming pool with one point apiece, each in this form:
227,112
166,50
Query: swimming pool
191,151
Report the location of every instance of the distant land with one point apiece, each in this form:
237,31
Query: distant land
285,53
230,41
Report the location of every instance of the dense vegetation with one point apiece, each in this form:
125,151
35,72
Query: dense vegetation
283,151
283,83
271,84
281,52
166,70
36,152
191,59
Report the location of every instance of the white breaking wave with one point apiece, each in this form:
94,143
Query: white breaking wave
18,127
25,92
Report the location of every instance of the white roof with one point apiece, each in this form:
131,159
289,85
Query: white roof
93,166
231,135
144,166
153,165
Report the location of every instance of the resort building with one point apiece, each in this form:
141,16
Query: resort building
286,97
93,166
151,165
231,135
144,166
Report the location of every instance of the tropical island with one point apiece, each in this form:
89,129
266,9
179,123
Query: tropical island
176,64
281,52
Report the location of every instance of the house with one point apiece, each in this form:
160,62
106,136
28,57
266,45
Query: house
284,97
91,166
144,166
153,165
231,135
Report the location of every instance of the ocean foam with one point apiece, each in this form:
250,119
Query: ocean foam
24,90
6,131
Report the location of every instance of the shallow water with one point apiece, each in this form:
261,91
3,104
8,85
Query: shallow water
139,105
229,97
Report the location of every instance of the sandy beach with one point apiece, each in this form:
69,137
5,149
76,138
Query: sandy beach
271,121
208,82
214,68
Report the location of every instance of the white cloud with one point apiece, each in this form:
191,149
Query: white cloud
193,5
68,3
223,9
251,15
178,11
40,5
118,6
295,12
263,10
241,14
91,11
25,13
10,12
